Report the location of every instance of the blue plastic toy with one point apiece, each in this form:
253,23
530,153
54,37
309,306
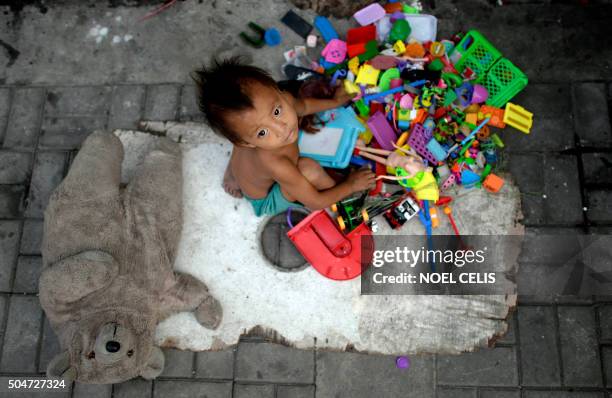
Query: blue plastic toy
325,27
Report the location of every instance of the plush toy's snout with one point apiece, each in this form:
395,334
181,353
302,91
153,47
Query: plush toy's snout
113,343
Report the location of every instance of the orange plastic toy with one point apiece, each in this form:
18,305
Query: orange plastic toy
492,183
496,116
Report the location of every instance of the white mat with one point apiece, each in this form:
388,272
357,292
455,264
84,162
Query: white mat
220,246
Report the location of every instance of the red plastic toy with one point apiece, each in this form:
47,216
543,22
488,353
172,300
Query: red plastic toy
333,254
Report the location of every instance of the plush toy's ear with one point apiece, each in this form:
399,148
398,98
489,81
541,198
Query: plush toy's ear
75,277
155,365
60,368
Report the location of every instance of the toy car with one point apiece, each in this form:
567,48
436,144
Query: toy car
402,212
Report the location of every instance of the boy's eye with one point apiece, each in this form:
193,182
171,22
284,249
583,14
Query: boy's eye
262,133
277,111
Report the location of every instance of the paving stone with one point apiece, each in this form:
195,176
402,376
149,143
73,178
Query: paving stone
9,243
189,110
499,394
605,322
344,375
215,364
68,132
27,274
562,394
509,337
606,352
531,185
48,173
190,389
11,201
597,167
162,102
126,107
92,390
24,119
5,106
563,203
49,347
295,392
486,367
444,392
178,363
135,388
22,334
539,354
267,362
552,128
600,206
579,349
591,117
31,238
253,391
3,310
14,166
77,101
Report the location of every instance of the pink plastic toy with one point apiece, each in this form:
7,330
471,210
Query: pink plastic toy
369,14
479,95
418,141
334,51
406,101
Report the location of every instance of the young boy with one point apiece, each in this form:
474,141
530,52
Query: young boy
244,104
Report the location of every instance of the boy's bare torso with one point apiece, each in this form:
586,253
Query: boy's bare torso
252,167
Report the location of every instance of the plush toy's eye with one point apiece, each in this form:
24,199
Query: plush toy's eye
91,355
130,353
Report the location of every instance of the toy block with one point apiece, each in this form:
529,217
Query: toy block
493,183
382,131
468,178
361,35
367,75
496,116
325,27
371,50
369,14
471,118
350,87
518,117
436,149
419,137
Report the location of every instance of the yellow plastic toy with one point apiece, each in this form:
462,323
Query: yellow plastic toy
350,87
353,65
399,47
518,117
367,75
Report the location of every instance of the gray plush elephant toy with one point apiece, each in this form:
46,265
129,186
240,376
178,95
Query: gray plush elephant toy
108,253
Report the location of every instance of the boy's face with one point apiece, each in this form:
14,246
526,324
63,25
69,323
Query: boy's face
272,122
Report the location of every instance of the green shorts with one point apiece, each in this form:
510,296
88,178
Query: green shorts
274,203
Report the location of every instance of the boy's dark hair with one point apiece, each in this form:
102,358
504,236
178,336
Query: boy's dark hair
222,88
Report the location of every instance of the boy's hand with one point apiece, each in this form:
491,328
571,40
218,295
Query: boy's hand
341,96
362,179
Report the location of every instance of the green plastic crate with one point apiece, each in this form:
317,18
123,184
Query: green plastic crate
501,78
475,52
503,81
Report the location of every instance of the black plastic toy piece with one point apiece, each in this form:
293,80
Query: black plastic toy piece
297,24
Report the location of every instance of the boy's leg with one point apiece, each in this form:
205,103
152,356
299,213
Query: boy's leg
315,174
230,185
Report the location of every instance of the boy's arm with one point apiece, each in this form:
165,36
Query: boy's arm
293,182
309,106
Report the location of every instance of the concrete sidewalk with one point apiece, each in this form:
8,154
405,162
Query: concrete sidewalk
76,67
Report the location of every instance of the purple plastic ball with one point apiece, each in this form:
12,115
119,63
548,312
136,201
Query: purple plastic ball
402,362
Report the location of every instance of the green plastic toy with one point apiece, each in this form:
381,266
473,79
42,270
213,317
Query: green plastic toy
399,31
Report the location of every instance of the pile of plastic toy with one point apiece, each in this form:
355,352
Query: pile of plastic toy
428,107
